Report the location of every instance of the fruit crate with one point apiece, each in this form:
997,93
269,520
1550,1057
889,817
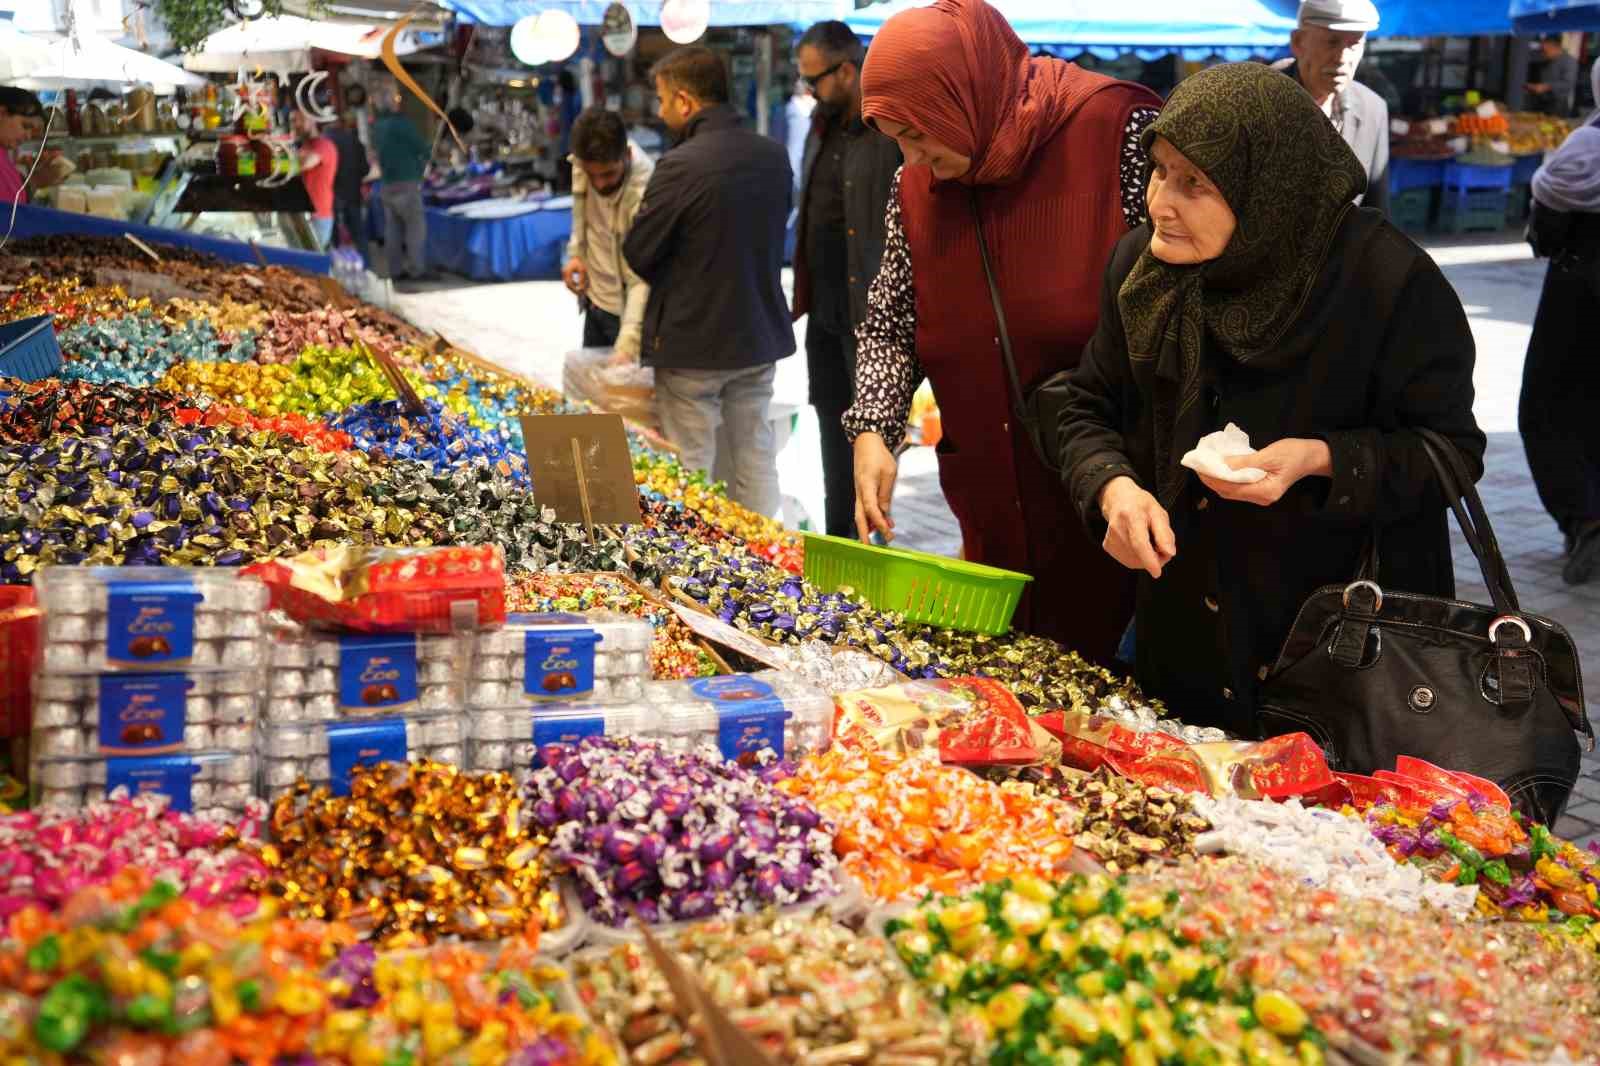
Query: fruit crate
1474,211
1519,203
947,593
1413,209
28,348
1406,175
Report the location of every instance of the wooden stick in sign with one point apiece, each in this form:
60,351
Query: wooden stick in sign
583,490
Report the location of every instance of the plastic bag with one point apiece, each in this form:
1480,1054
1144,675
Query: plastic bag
627,389
973,721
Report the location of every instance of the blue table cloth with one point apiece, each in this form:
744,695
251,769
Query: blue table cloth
521,248
526,247
33,221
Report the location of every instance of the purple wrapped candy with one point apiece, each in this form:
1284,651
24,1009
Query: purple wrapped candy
715,847
620,845
652,848
796,877
767,881
717,876
684,836
692,906
599,801
633,876
546,814
672,802
570,806
550,754
802,815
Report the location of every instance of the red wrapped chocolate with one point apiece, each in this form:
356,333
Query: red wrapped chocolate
390,590
1090,741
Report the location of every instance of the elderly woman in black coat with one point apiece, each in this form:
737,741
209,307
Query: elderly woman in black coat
1259,294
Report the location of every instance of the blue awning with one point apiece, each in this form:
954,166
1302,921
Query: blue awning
1197,29
647,13
1430,18
1554,16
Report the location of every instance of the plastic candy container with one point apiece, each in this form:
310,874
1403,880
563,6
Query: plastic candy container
150,679
509,738
740,714
144,714
215,784
318,677
149,618
324,753
599,655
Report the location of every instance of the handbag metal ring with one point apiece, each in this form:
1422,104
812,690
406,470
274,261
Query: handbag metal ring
1377,593
1511,619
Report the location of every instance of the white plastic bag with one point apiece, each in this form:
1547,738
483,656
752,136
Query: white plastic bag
626,389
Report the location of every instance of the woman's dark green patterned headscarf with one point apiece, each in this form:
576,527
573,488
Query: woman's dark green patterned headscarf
1290,179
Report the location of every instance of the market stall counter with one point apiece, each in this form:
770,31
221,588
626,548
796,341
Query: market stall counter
48,222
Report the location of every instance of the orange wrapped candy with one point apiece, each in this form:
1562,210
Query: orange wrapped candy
905,826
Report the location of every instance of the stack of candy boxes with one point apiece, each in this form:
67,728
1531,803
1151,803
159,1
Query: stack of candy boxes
558,678
339,700
149,678
181,681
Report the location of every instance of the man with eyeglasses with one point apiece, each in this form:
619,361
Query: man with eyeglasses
846,176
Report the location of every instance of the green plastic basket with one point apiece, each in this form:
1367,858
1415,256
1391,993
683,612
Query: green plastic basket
947,593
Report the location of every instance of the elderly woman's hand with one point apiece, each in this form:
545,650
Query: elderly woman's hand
1285,461
1138,531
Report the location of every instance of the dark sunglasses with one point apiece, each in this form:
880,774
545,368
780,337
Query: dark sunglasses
814,80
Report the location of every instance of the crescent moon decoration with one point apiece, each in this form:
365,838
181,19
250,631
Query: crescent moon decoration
308,102
392,61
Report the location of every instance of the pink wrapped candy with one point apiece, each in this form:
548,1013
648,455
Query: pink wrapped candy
47,856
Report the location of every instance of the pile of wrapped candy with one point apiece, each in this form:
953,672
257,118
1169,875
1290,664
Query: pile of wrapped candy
886,843
132,973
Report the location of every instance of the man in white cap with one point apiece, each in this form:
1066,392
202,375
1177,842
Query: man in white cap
1327,48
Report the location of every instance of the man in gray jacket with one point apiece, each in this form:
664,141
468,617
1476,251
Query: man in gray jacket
609,175
1328,46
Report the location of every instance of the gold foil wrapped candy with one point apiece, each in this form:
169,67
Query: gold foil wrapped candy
416,852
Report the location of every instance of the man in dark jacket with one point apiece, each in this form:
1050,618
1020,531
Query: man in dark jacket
708,239
348,210
847,174
1328,46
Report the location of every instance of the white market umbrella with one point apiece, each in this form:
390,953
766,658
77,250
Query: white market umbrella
284,43
20,53
75,61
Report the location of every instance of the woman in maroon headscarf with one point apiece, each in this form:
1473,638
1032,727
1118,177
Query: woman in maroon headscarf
1046,156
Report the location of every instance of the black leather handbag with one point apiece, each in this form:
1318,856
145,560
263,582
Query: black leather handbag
1373,673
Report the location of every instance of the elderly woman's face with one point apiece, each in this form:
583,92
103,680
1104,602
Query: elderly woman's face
920,149
1190,222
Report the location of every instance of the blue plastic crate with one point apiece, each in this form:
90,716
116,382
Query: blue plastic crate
1412,210
1522,170
1408,174
1462,176
28,348
1477,210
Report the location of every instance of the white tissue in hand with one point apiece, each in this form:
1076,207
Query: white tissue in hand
1208,456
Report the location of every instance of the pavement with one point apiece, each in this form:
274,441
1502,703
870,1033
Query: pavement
529,327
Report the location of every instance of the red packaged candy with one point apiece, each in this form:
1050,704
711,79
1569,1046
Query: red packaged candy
390,590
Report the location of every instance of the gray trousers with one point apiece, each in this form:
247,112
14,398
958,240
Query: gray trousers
694,404
405,227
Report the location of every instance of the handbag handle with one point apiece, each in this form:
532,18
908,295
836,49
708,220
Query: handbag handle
1456,480
1018,408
